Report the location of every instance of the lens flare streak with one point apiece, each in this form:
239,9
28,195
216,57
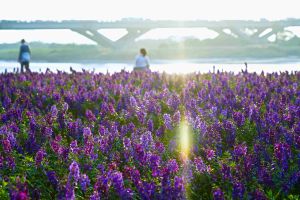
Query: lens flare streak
184,140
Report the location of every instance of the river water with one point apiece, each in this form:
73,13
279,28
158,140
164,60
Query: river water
179,66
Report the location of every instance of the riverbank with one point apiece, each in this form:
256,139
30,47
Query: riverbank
42,52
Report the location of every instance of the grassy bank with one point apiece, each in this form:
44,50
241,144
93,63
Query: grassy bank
189,49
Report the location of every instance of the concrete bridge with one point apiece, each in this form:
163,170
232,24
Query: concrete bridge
260,30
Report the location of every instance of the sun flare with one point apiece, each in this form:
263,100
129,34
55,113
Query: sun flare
184,140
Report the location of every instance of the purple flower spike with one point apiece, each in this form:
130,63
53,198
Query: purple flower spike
168,121
172,166
218,194
54,111
90,115
40,155
74,172
84,182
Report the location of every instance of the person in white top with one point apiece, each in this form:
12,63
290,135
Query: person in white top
142,60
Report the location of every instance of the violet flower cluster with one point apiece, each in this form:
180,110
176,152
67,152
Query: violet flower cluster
116,136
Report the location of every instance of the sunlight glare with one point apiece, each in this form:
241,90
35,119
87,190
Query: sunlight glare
184,140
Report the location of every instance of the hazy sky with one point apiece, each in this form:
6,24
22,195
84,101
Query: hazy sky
151,9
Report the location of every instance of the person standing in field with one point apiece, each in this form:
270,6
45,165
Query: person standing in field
24,56
142,60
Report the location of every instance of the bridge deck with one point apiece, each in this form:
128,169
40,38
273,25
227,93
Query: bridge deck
136,28
149,24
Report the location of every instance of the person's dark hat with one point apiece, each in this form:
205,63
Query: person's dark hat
22,41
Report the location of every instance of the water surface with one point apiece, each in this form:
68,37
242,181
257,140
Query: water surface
184,66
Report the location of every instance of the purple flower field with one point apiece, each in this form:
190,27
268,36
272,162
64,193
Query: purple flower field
147,135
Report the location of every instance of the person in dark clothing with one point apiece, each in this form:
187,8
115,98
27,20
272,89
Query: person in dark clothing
24,56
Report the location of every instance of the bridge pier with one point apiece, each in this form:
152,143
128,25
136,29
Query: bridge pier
235,32
219,31
239,33
275,30
242,35
132,34
97,37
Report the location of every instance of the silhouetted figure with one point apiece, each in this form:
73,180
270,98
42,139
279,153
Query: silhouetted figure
246,64
142,60
72,70
24,56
